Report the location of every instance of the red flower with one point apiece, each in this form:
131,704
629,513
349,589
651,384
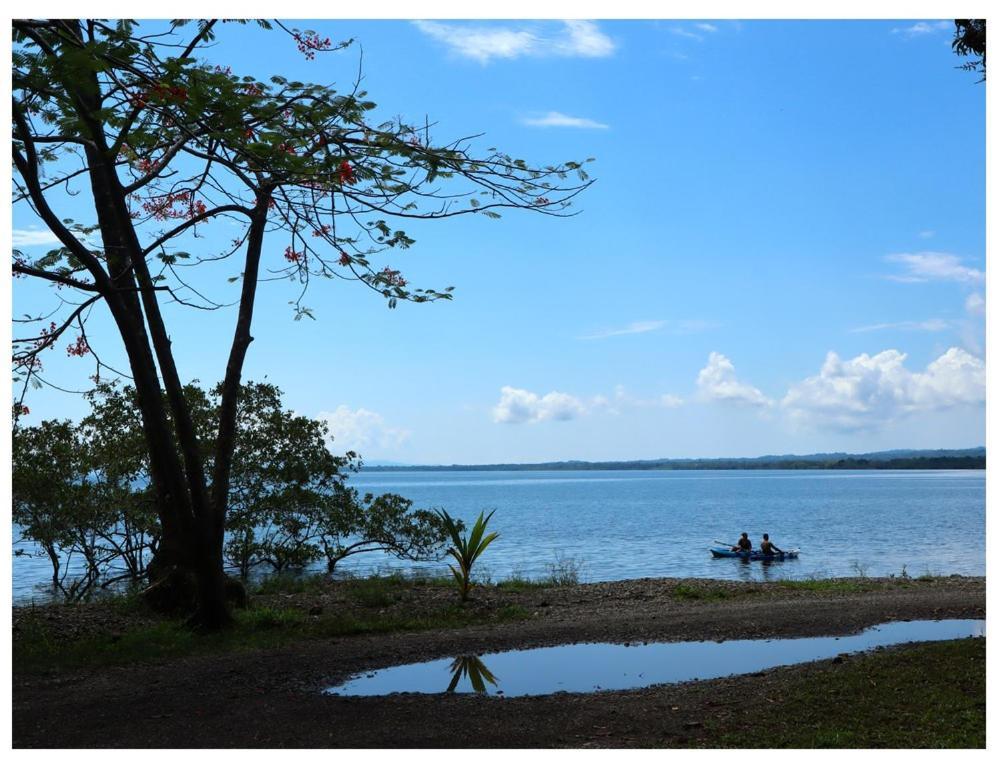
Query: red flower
310,42
346,173
292,255
79,348
344,259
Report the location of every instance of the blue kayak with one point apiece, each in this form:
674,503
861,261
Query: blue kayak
787,554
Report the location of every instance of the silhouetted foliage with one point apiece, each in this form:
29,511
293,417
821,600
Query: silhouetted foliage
969,40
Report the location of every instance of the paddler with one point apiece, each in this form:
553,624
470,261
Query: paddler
768,548
744,545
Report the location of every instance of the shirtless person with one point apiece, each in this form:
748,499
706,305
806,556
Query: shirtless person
744,545
768,548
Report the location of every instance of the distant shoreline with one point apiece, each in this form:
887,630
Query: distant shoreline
971,458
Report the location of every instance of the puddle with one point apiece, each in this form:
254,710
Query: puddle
590,667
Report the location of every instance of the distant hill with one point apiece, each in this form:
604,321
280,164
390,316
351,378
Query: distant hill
940,458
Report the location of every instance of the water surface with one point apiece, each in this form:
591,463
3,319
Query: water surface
591,667
625,524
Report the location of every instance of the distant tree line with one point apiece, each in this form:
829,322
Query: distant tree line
971,460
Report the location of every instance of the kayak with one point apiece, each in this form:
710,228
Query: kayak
787,554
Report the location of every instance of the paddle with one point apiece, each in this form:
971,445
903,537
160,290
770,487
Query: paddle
724,544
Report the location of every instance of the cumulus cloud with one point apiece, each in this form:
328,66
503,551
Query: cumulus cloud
23,238
927,266
871,390
575,38
559,120
932,325
519,406
717,381
362,430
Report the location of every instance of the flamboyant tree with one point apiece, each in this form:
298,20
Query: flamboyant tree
969,40
164,145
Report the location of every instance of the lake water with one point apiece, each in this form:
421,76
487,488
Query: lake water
634,524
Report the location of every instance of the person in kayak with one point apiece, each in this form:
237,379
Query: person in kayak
768,548
744,545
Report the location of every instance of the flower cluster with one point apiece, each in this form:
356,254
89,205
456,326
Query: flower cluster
174,205
324,230
295,257
310,42
392,277
344,259
160,93
345,173
21,410
79,348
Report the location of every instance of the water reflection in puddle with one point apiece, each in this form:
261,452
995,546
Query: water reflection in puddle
589,667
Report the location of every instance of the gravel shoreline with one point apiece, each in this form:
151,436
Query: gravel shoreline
273,697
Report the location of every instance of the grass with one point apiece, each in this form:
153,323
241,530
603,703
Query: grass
690,592
291,584
826,585
35,649
930,695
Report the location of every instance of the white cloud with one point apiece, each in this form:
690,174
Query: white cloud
975,304
559,120
639,326
517,406
869,391
23,238
926,234
921,28
705,27
576,38
583,38
682,32
925,266
670,401
362,430
717,381
932,325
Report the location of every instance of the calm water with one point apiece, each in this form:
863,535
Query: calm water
590,667
633,524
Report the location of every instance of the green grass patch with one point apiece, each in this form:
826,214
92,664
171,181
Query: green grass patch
930,695
292,584
826,585
690,592
35,649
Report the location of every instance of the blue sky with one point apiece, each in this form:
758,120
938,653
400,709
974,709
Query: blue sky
783,251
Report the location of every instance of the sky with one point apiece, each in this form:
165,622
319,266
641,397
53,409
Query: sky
783,251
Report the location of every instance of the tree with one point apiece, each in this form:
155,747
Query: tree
84,489
167,144
969,39
50,490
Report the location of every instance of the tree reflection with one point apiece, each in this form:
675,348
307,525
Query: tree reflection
477,673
